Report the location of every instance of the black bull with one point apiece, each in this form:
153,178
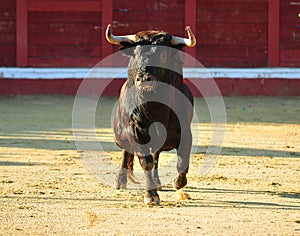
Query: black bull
155,107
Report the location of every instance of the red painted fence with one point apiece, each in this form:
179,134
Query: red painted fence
230,81
69,33
230,34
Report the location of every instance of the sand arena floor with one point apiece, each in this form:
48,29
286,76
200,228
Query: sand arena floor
47,188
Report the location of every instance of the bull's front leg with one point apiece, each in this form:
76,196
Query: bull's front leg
183,160
155,172
125,170
151,195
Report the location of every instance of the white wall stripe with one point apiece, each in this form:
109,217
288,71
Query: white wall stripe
118,72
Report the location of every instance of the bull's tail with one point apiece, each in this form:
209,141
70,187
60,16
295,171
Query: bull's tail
131,177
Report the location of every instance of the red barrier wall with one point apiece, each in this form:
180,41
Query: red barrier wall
227,87
70,33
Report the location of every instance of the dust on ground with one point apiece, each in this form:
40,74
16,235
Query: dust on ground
253,188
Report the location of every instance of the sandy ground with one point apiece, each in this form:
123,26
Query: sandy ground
46,187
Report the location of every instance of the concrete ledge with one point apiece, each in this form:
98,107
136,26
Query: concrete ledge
121,72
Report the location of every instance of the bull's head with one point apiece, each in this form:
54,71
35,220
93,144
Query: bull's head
153,56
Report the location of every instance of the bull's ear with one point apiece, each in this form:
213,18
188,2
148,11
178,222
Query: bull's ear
127,48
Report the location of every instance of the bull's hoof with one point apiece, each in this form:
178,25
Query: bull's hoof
156,200
152,200
121,180
179,182
151,197
121,185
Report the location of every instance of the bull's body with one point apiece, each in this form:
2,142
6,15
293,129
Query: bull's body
134,125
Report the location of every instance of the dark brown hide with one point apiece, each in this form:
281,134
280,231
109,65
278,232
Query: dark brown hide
153,60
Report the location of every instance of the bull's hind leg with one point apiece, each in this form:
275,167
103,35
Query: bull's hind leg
155,172
126,168
183,159
151,195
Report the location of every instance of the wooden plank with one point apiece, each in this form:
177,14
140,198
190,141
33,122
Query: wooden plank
237,28
7,27
8,33
106,18
289,31
292,16
290,56
128,27
273,32
161,15
8,38
191,20
21,32
7,55
63,27
56,5
59,39
7,14
91,38
288,10
234,17
63,62
278,87
247,87
65,50
146,11
59,17
147,5
232,33
233,5
190,14
231,39
7,4
231,62
238,51
227,86
7,50
146,16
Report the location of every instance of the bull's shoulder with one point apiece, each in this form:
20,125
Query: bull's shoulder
188,93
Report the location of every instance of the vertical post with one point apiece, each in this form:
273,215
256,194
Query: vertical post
107,18
274,33
22,33
191,20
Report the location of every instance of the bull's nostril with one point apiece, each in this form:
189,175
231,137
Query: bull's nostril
146,78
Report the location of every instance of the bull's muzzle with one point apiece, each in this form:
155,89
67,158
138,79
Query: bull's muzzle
145,83
145,78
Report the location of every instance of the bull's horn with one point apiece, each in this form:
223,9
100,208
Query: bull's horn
190,42
118,39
